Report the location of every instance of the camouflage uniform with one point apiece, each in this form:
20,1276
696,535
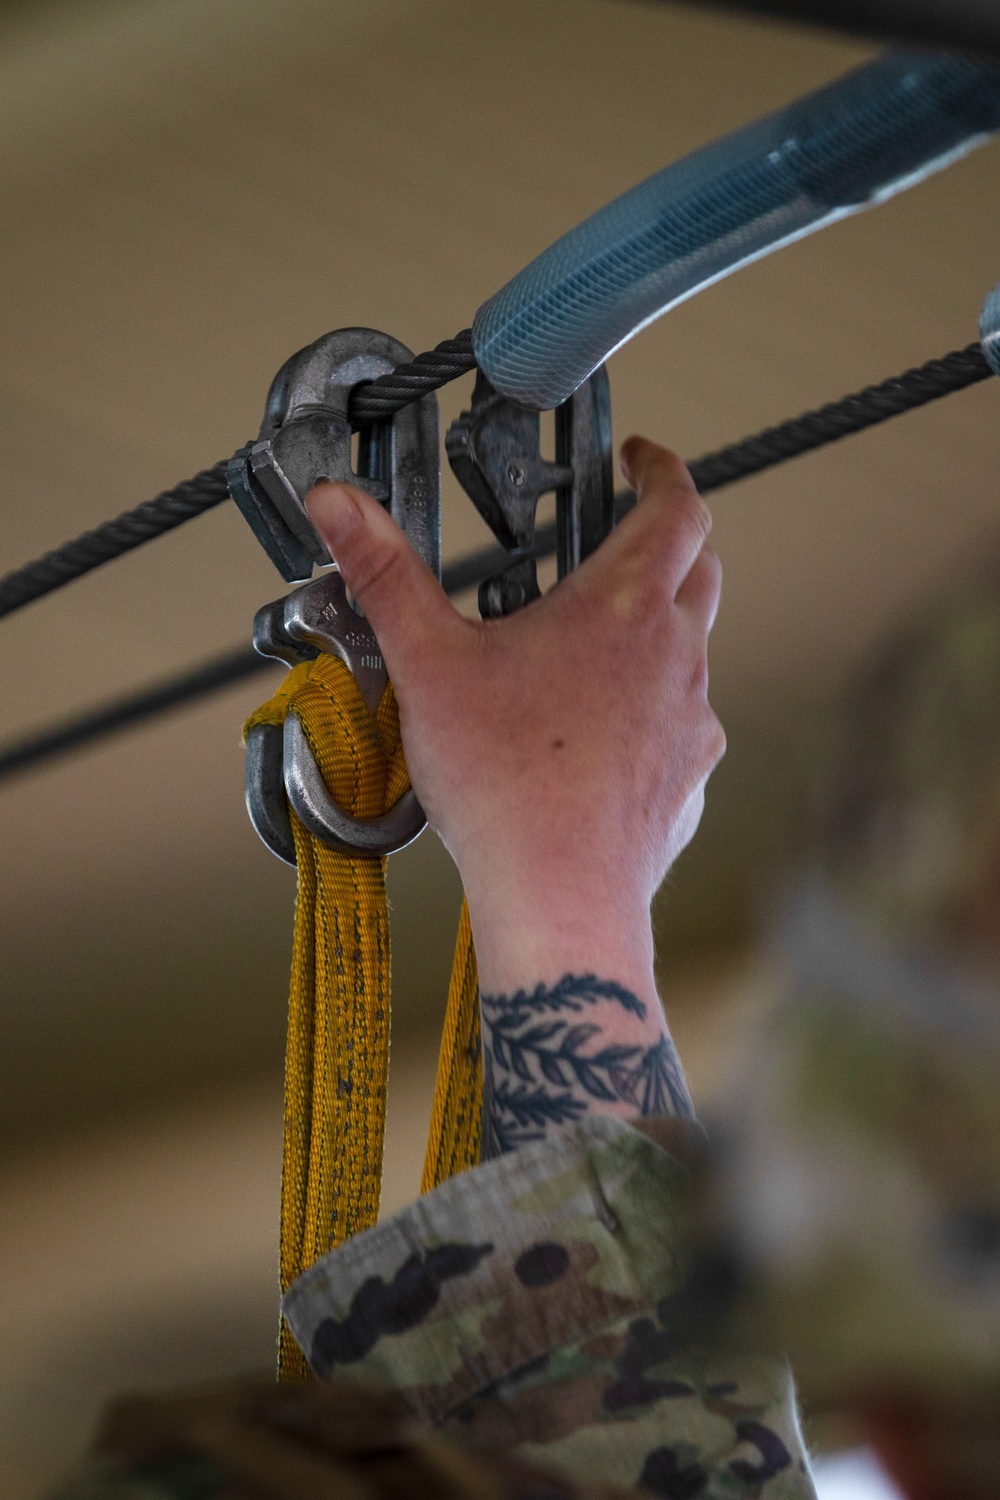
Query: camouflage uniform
910,825
859,1192
530,1307
856,1184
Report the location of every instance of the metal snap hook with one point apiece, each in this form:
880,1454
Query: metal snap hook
306,436
280,765
321,616
308,794
265,790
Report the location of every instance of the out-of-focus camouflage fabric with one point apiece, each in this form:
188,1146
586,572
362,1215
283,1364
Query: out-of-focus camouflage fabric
366,1454
530,1309
530,1306
317,1441
856,1181
910,830
859,1203
402,1475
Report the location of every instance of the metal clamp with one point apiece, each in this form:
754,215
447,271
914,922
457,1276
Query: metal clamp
306,437
495,452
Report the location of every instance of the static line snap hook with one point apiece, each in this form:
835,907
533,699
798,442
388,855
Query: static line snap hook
305,437
494,450
281,769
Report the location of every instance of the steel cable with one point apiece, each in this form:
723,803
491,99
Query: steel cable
381,398
867,408
373,402
208,677
876,403
390,393
132,708
190,498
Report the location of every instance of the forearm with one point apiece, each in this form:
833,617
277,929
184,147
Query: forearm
572,1024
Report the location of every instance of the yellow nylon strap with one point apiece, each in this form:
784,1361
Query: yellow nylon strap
455,1136
336,1066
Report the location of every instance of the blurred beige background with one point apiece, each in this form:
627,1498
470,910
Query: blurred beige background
192,189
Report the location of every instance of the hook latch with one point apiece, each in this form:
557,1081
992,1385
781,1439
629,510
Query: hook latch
495,452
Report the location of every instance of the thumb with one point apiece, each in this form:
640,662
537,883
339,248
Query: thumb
393,585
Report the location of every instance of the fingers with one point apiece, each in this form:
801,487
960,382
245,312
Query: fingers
394,587
670,520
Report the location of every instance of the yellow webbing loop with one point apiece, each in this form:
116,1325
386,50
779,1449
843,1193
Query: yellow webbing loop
337,1059
454,1139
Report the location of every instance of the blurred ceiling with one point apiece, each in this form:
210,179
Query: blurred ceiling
193,189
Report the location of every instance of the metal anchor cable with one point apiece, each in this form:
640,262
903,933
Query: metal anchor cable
374,401
900,393
873,133
754,455
867,408
428,372
153,518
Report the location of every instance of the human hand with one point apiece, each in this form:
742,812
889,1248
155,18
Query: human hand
561,753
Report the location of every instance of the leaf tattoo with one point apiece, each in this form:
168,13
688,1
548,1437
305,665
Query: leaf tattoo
543,1067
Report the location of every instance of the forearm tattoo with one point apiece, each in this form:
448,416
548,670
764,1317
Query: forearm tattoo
542,1066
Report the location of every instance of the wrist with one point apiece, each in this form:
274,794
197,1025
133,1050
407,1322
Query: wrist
531,931
571,1021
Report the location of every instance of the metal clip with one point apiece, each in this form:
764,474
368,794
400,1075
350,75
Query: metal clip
306,436
495,452
280,764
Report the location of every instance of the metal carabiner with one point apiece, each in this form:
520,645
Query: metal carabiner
495,452
305,437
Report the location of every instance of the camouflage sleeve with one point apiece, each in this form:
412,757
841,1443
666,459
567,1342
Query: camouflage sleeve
530,1305
519,1329
868,1122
